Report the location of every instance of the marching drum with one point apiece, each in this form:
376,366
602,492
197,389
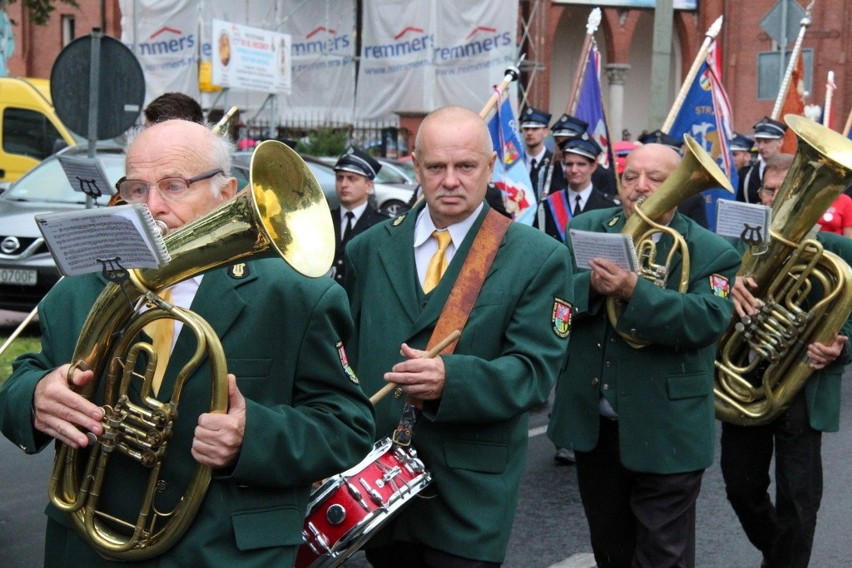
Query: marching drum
346,510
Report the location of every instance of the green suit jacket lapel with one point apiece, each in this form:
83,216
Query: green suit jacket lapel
220,304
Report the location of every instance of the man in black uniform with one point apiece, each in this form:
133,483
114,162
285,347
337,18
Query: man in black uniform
579,162
741,151
355,171
534,129
768,137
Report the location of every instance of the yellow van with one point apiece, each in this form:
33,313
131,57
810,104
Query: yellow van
30,130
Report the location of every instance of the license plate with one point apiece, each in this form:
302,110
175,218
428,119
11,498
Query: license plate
18,276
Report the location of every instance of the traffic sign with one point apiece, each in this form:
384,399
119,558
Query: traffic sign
106,62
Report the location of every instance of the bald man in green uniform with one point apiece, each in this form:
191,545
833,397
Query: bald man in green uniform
472,433
641,421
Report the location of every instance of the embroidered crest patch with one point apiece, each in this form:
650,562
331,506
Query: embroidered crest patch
561,318
720,285
344,362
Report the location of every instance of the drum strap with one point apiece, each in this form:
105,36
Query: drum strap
460,302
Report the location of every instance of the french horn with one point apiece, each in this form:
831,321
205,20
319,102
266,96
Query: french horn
282,213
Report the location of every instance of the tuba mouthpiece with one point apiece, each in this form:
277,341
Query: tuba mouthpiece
162,227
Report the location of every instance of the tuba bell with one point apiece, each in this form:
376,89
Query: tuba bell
772,345
696,172
282,213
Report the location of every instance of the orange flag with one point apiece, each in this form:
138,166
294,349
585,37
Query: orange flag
794,103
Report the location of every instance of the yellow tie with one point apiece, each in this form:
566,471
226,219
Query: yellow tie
162,332
438,262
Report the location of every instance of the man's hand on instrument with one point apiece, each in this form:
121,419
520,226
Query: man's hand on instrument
609,279
821,354
60,412
744,302
219,437
420,378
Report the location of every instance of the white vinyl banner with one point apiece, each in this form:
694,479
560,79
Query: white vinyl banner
251,59
419,55
323,33
164,37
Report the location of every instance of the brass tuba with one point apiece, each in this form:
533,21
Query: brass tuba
695,173
772,345
282,212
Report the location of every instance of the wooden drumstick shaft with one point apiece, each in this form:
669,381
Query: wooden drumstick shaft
385,390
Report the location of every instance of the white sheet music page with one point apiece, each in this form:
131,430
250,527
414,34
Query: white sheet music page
615,247
747,221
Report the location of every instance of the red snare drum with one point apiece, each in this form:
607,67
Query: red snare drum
346,509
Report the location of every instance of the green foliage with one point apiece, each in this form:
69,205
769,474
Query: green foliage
324,142
22,344
39,10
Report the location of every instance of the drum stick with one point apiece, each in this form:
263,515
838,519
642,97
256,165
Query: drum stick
385,390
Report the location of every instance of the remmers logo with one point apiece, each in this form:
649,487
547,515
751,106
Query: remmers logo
321,40
481,39
166,41
410,39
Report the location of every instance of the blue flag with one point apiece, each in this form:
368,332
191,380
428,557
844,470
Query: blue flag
590,107
705,115
510,170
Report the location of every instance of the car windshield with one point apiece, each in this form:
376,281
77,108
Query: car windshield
47,182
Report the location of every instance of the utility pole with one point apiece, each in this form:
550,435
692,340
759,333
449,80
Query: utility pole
660,63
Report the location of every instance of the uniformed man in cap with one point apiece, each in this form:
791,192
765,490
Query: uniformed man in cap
566,127
355,171
534,128
768,137
579,162
693,206
741,151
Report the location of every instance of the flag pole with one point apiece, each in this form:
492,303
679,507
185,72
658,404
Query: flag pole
700,58
829,95
794,57
511,74
848,124
579,75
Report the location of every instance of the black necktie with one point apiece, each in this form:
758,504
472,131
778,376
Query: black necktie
348,229
577,209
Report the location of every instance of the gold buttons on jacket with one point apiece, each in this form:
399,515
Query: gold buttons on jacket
397,392
595,381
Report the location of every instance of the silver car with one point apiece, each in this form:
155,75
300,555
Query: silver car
27,271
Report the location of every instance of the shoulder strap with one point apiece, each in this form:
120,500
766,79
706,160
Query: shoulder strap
469,283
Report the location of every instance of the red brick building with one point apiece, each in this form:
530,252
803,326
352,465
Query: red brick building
556,30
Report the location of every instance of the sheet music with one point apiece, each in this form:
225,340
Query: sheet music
86,175
92,240
747,221
615,247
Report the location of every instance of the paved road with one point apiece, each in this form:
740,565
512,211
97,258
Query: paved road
549,529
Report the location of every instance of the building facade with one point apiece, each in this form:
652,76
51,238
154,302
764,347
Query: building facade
553,33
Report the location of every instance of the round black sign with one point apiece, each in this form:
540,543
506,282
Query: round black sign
121,86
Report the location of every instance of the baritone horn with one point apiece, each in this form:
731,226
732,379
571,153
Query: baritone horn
761,361
282,213
696,172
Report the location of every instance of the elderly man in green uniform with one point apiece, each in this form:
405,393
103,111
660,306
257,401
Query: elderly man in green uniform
472,427
784,531
641,420
295,413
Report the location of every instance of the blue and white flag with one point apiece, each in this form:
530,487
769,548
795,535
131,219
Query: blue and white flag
706,116
510,170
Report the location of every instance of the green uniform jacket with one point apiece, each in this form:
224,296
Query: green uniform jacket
305,418
823,387
663,393
474,439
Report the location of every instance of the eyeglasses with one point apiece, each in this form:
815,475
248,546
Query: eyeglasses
768,191
170,188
